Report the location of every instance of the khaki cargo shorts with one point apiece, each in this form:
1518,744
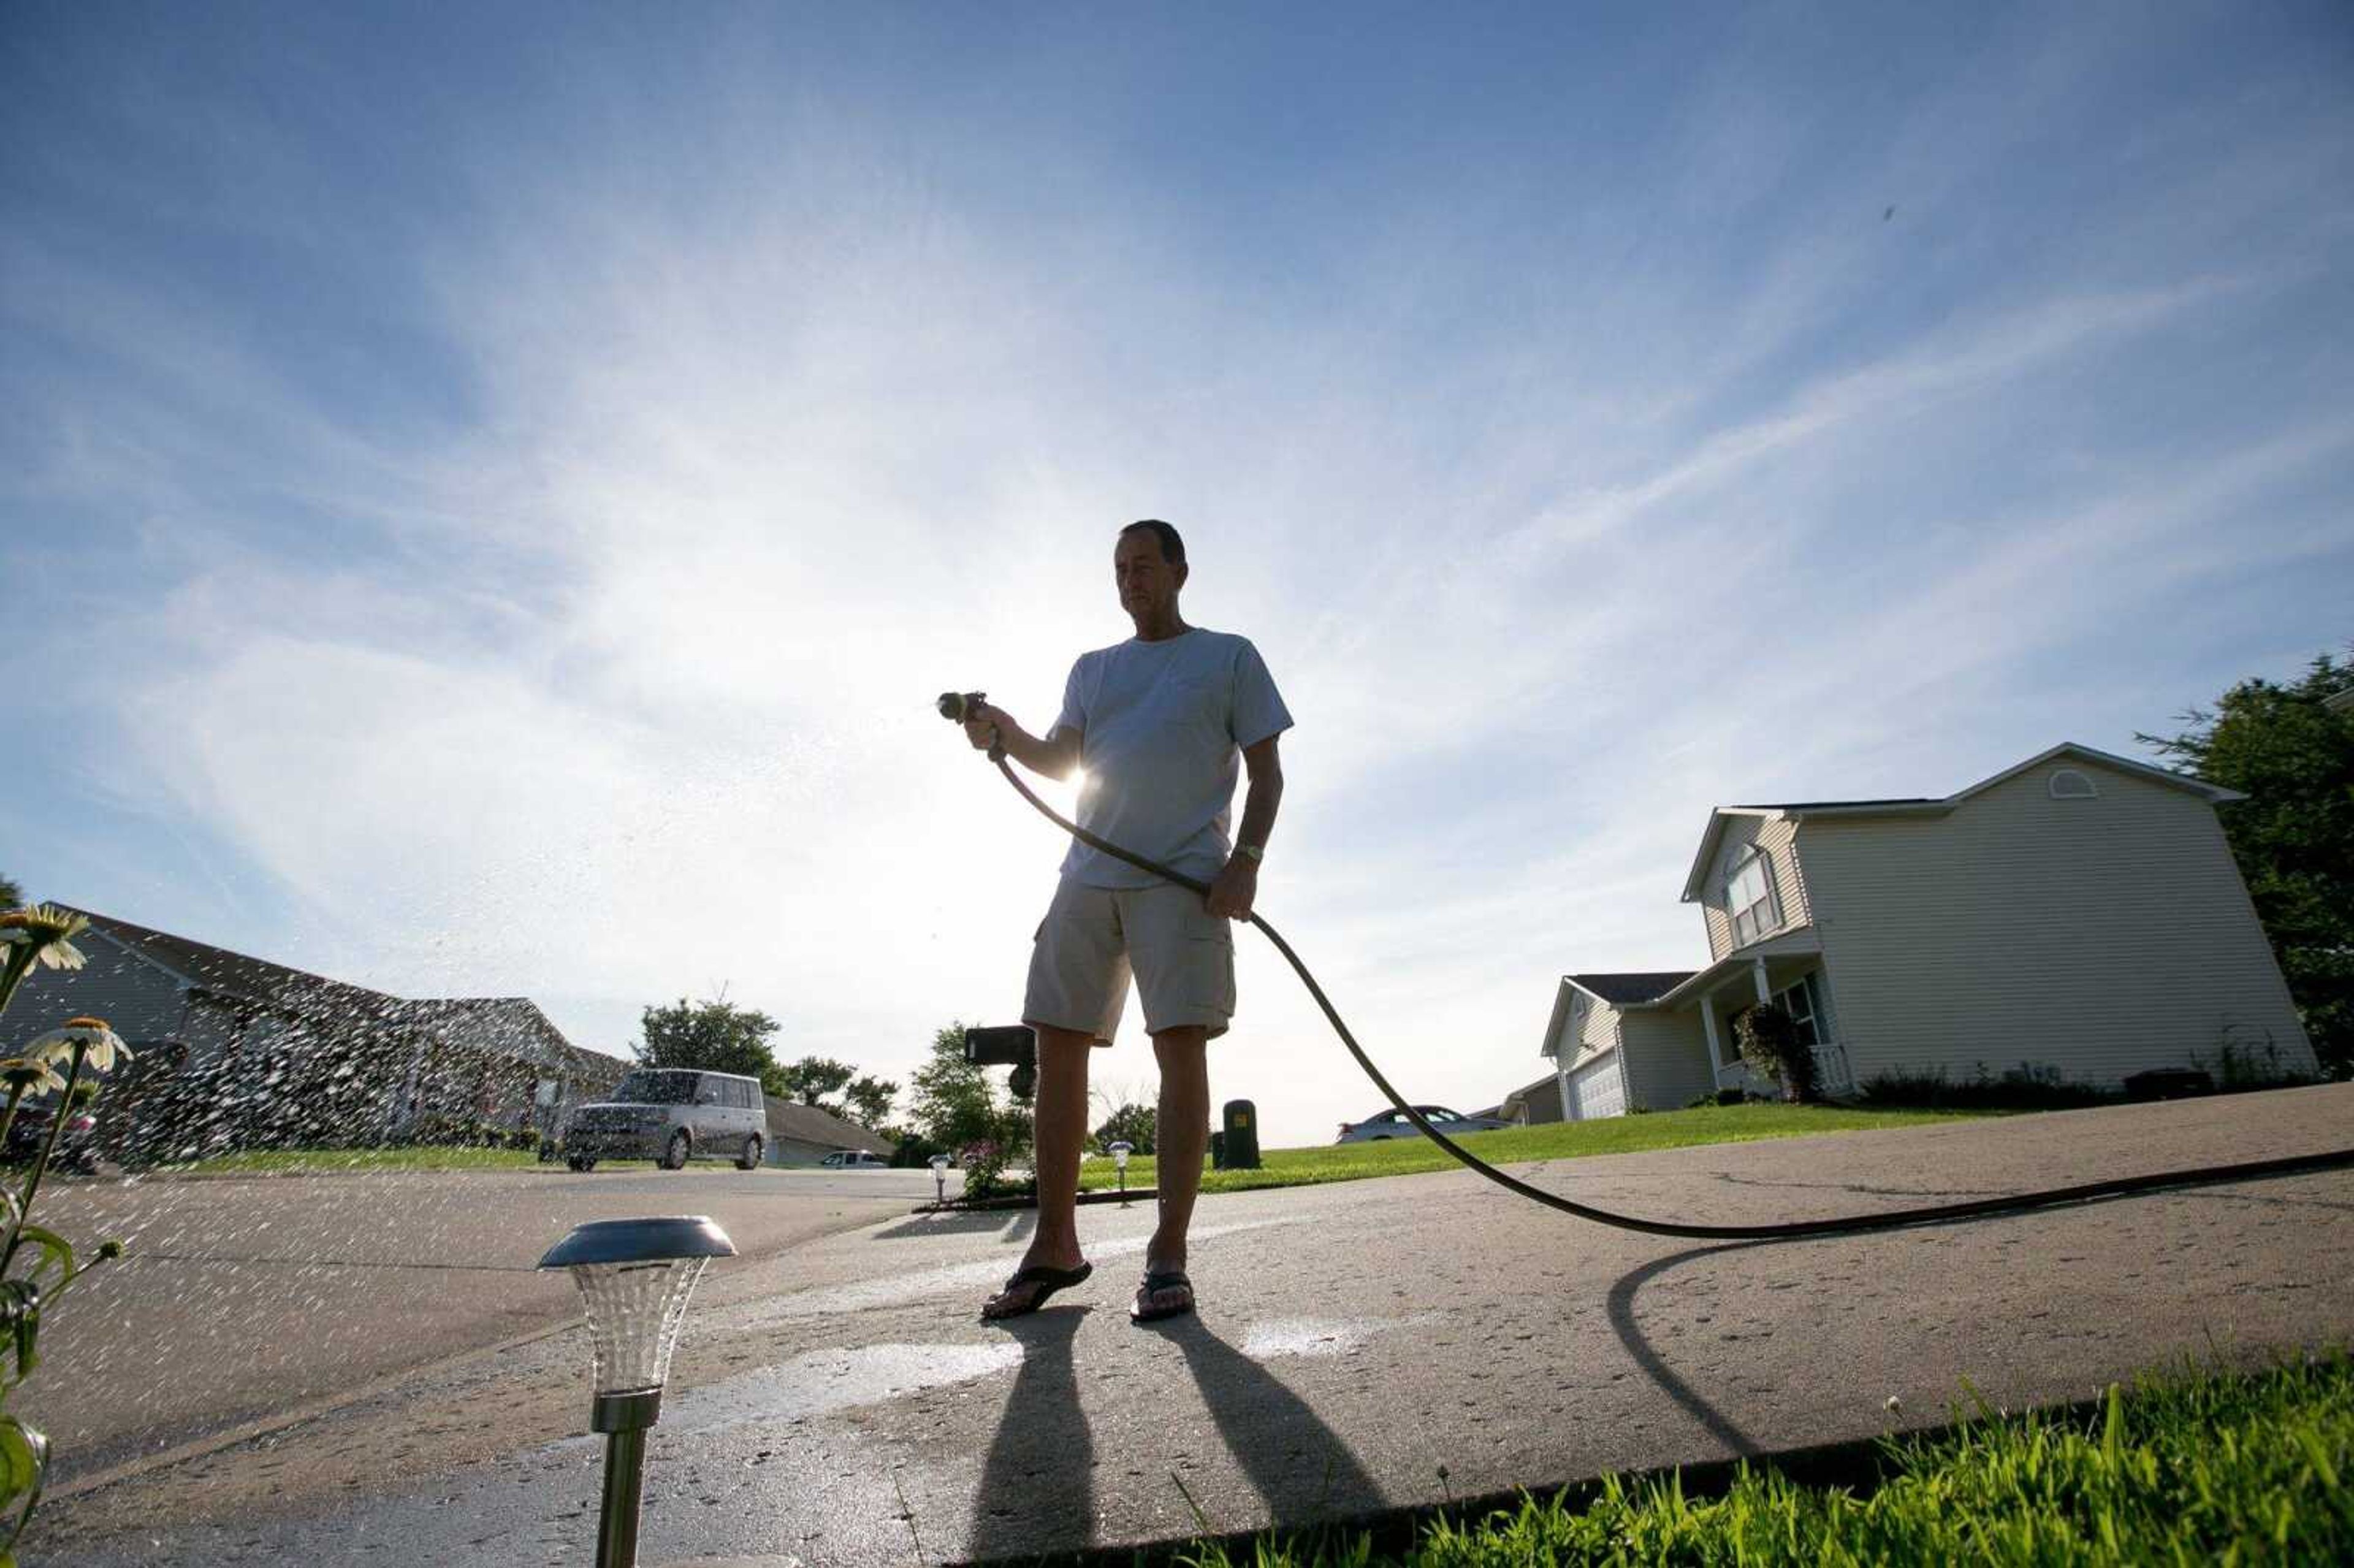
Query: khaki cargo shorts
1182,958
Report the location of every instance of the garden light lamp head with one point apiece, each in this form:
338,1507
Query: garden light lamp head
635,1276
1119,1153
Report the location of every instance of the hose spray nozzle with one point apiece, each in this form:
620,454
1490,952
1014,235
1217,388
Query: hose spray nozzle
954,705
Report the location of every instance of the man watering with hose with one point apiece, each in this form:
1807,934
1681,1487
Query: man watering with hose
1164,724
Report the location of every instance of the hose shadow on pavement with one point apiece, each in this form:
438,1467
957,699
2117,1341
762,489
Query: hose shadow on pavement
1621,1309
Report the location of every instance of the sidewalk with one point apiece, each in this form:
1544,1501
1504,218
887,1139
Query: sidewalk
1359,1346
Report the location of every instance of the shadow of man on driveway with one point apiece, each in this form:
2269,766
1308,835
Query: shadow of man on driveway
1037,1485
1298,1465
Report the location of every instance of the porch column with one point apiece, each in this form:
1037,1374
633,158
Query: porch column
1715,1049
1561,1081
1757,968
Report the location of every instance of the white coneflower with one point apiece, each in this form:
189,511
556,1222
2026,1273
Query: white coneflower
99,1043
30,1076
49,931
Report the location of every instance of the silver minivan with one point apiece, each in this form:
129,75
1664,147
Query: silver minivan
670,1115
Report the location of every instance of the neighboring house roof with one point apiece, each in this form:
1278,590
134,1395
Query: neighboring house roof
511,1025
808,1124
1618,990
516,1026
239,977
2340,702
2214,795
1511,1103
1641,985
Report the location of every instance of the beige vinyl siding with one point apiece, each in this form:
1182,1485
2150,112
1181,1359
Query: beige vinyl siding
1595,1028
2101,936
1666,1059
1774,835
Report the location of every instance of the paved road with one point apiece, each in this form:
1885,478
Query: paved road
839,1402
241,1299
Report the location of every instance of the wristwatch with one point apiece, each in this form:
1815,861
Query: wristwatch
1256,854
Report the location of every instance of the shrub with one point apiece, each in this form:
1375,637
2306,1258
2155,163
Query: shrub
2237,1068
1769,1043
2031,1085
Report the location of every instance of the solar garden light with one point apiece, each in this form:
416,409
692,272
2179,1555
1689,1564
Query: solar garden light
1120,1150
636,1276
940,1164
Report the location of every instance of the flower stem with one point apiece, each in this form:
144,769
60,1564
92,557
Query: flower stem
20,959
41,1166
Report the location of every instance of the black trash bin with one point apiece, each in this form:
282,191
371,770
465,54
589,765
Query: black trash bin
1238,1147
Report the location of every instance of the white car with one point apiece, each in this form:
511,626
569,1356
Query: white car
1394,1124
855,1160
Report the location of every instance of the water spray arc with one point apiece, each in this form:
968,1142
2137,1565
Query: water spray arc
954,705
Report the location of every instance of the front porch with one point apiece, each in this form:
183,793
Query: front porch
1787,971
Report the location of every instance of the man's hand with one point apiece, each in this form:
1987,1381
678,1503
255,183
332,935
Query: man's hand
985,723
1232,890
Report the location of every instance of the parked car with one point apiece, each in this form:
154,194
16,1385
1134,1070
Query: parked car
670,1115
29,1134
1393,1123
855,1160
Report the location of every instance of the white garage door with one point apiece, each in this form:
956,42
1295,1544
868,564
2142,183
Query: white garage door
1594,1090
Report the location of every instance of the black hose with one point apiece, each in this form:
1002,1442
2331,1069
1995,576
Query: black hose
1846,1226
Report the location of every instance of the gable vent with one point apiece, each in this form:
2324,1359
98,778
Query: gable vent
2068,784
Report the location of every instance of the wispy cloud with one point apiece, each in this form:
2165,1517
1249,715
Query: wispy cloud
586,648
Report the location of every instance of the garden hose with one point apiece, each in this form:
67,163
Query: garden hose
1844,1226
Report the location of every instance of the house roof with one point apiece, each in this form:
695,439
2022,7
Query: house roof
2214,795
246,977
513,1025
1640,985
808,1124
2340,702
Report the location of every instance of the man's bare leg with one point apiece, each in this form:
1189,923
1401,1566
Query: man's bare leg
1181,1140
1059,1127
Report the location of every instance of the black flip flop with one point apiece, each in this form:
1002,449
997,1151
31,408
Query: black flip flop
1155,1282
1048,1281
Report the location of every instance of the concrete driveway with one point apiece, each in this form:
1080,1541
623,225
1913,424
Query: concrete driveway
1359,1346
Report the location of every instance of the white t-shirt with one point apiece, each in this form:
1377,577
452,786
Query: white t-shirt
1163,727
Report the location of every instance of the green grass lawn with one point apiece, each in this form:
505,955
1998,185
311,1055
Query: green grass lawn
2189,1468
1553,1140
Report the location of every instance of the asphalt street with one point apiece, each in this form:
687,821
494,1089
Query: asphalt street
1359,1346
239,1300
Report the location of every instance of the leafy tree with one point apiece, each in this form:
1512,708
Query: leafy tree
954,1104
1131,1121
716,1037
2293,836
812,1078
870,1100
11,896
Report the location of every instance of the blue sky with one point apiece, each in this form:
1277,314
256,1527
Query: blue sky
490,498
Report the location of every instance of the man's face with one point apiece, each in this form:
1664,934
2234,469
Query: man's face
1148,584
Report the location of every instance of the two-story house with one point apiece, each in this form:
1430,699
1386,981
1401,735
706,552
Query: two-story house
2079,912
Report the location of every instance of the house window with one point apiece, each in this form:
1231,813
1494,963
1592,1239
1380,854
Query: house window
1803,1005
1749,899
2068,784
